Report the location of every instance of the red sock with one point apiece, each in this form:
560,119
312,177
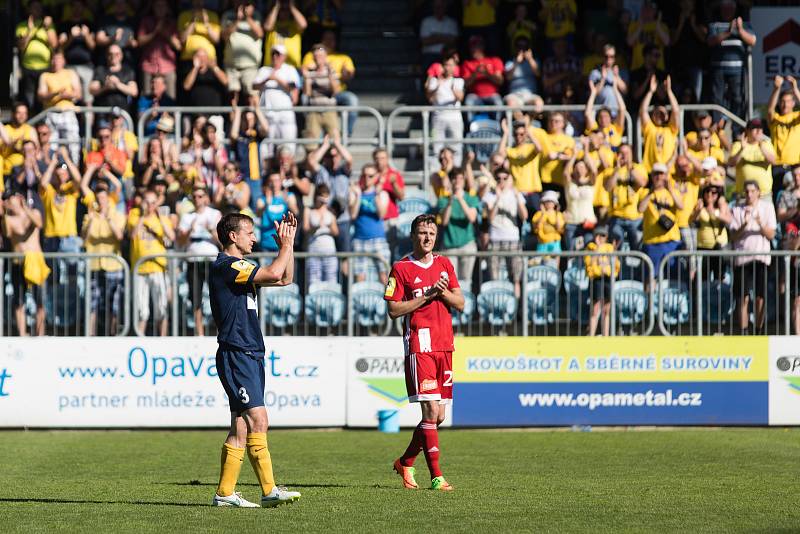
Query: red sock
413,448
430,446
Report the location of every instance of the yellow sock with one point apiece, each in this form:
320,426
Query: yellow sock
232,458
261,461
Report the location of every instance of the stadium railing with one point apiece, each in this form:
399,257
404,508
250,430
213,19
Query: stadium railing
74,295
699,292
180,111
426,141
344,307
87,113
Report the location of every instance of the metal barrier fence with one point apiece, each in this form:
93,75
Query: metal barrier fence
77,298
726,292
347,300
88,113
536,294
425,142
179,111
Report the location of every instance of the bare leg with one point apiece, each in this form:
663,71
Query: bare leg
744,302
19,315
607,318
40,321
199,327
593,320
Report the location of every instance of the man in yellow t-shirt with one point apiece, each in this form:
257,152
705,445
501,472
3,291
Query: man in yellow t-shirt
343,65
621,185
660,128
753,156
523,159
18,131
784,124
704,148
687,182
36,39
557,151
149,232
58,91
198,28
59,189
558,17
647,30
660,205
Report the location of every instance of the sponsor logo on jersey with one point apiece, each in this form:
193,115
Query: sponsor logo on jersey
428,385
417,280
390,287
434,449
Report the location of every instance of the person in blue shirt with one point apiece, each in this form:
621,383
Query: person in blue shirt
271,207
368,205
233,286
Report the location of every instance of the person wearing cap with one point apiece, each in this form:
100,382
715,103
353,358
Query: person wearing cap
284,25
157,97
600,270
58,91
548,224
483,78
612,126
752,228
660,129
784,124
524,159
102,231
753,156
22,223
279,85
620,196
660,203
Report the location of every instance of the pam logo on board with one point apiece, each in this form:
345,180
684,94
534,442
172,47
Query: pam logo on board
384,378
790,366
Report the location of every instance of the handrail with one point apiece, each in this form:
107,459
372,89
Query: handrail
177,256
426,142
87,257
787,255
88,113
178,112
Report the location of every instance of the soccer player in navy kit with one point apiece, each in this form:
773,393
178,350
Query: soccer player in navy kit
233,284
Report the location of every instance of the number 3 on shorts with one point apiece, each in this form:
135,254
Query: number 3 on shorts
245,397
448,379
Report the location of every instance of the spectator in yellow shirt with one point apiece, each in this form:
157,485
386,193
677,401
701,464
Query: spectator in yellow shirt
558,149
661,127
647,30
687,182
58,91
549,225
611,127
753,156
784,124
600,270
558,17
703,149
284,25
622,184
36,40
478,19
523,159
16,133
59,188
660,203
198,28
149,232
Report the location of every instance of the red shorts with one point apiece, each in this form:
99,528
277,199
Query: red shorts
429,377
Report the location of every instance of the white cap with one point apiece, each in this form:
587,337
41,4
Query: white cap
279,48
708,164
660,167
549,196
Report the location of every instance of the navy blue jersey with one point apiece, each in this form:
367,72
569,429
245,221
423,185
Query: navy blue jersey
234,305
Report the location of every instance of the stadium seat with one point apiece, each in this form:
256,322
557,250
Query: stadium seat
369,308
630,301
483,129
325,304
281,305
576,284
674,300
416,206
541,304
497,304
464,317
717,303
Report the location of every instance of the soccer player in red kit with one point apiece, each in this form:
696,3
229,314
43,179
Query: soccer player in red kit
423,288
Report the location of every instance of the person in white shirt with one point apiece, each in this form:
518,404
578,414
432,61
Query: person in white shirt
279,86
446,90
435,32
505,208
197,231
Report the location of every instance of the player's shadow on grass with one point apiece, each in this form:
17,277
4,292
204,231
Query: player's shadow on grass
253,484
89,501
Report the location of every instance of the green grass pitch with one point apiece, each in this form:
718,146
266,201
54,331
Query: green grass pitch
506,481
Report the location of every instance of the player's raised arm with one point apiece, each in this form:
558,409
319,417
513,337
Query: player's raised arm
281,271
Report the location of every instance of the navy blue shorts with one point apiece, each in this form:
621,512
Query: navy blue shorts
242,377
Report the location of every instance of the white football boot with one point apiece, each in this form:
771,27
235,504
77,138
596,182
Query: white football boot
279,495
235,499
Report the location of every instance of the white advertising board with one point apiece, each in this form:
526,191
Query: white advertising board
777,50
161,382
375,381
784,380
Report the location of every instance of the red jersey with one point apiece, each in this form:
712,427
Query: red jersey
482,87
391,210
429,328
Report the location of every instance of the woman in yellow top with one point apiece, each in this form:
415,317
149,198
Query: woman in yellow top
621,185
660,205
599,270
36,39
711,216
661,127
557,151
784,122
753,157
549,225
284,25
198,28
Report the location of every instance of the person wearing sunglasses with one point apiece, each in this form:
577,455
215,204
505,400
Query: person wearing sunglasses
710,216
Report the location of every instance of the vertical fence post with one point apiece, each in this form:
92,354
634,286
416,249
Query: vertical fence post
2,296
426,171
787,298
524,294
699,298
87,297
350,325
613,309
173,282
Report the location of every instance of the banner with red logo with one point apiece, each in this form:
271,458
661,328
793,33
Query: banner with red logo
777,49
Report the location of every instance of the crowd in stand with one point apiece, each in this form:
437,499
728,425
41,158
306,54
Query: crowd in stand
556,181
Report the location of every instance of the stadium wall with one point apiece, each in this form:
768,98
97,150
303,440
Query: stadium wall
340,381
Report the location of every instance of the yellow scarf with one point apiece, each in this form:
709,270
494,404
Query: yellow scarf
35,269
